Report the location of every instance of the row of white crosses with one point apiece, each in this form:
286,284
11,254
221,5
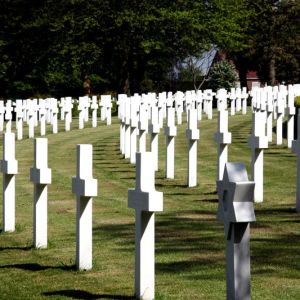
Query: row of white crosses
83,185
144,199
276,102
43,111
237,97
140,115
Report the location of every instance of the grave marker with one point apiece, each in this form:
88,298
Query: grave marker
85,187
146,201
9,168
40,175
236,209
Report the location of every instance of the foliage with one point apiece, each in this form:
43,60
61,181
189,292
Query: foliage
51,46
222,75
297,101
273,38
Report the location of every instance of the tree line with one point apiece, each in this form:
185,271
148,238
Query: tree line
53,47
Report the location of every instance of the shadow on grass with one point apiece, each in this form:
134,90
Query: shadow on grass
24,248
36,267
79,294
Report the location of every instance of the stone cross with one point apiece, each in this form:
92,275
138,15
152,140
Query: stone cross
143,127
121,115
85,187
94,107
170,133
68,105
103,100
154,131
232,98
199,103
61,105
279,114
86,108
54,113
81,109
40,175
258,141
9,168
19,119
244,100
42,113
192,134
133,127
161,104
146,201
221,96
179,106
8,115
270,109
208,96
238,95
290,111
223,138
236,209
30,118
296,150
127,128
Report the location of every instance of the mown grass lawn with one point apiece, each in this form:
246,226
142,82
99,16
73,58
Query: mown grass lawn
190,256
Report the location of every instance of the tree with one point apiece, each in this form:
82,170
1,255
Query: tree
222,75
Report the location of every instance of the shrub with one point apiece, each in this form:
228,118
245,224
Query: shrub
222,75
297,101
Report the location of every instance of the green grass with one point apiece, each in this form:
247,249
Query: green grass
190,258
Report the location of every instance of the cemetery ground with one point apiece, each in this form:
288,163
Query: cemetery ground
190,248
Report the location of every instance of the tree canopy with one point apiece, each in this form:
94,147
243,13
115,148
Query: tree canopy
50,47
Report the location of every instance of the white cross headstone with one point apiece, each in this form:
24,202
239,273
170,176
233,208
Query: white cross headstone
143,127
81,109
236,209
61,105
270,110
199,103
192,134
154,131
232,98
170,133
68,105
238,95
54,113
40,175
258,141
121,115
146,201
296,150
85,187
9,168
30,117
290,111
8,115
127,128
94,107
133,127
279,120
223,138
43,115
245,96
19,119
